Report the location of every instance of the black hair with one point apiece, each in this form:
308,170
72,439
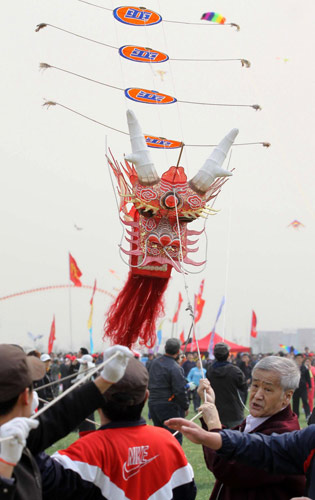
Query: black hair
172,346
117,408
84,350
7,406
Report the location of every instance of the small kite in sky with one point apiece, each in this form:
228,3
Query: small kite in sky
214,17
78,228
34,337
296,224
161,73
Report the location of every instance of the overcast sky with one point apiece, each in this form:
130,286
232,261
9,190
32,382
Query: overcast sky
54,175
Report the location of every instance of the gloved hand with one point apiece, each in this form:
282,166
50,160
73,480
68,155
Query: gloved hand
115,369
19,427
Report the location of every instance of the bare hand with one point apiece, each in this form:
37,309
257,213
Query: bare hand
210,416
194,433
204,385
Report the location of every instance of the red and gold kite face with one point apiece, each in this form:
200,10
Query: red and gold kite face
162,207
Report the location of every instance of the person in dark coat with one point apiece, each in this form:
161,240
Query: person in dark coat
46,393
19,474
189,363
229,384
167,385
301,391
274,381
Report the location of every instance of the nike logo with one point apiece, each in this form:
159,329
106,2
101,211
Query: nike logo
128,472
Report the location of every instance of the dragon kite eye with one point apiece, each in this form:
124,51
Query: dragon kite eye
171,200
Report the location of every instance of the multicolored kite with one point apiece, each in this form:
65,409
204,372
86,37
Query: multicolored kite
296,224
214,17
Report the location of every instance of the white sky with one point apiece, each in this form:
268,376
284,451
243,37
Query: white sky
53,172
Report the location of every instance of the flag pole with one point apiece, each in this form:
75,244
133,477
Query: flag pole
70,311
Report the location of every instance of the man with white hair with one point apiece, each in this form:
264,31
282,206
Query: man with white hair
274,380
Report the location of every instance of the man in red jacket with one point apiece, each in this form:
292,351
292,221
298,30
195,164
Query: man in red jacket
274,380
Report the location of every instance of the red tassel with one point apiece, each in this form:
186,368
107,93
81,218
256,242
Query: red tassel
133,315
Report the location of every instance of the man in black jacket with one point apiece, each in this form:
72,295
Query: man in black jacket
229,384
19,475
167,385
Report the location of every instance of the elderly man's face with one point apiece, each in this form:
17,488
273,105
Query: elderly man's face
266,394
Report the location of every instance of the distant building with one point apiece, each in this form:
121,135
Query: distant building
270,340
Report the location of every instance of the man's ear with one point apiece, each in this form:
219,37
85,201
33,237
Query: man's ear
147,392
288,395
25,396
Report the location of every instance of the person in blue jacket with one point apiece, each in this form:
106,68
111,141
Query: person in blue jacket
194,376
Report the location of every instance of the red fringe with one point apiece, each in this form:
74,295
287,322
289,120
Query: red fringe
137,307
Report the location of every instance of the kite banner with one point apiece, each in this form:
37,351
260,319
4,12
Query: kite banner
253,331
214,17
148,96
142,54
161,142
180,300
52,336
90,320
75,272
199,302
137,16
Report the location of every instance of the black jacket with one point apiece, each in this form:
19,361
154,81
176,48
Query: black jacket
228,383
55,423
167,382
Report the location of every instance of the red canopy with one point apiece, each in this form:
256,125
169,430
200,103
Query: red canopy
204,344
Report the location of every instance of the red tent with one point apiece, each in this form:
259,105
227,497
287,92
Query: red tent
204,344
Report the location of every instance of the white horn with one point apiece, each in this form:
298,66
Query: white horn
140,155
212,167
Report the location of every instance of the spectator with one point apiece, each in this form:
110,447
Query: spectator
194,377
229,384
46,393
189,363
19,474
125,458
301,391
273,384
246,367
167,385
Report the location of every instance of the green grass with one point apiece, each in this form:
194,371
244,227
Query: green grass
203,477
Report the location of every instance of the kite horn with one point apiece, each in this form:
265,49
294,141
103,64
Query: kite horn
212,167
140,155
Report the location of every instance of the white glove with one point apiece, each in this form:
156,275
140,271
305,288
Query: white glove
19,427
115,369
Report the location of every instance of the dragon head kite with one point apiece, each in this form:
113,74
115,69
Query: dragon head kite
158,236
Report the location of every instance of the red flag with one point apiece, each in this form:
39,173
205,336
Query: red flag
199,302
93,293
75,272
51,336
180,300
181,337
253,331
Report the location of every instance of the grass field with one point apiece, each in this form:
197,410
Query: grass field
204,478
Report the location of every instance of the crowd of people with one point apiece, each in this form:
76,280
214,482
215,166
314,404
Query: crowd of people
258,456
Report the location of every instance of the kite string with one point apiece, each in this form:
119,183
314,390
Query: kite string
228,248
189,306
